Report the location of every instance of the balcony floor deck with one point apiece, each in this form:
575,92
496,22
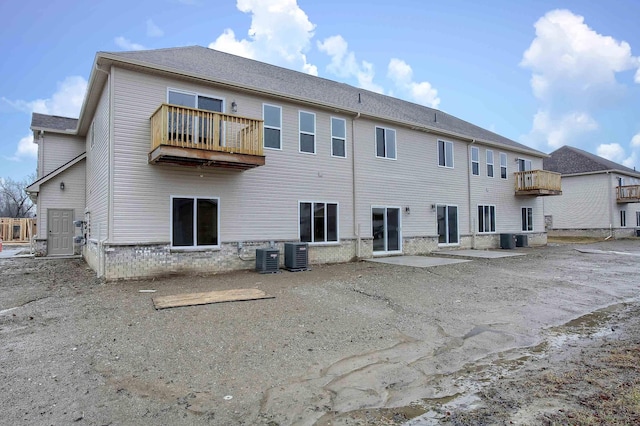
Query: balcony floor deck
165,154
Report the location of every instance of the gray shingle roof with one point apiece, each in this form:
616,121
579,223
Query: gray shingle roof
215,65
569,160
53,122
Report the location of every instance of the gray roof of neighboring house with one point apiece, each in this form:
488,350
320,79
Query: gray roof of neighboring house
53,122
569,160
226,68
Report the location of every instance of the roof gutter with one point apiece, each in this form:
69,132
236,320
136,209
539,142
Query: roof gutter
252,89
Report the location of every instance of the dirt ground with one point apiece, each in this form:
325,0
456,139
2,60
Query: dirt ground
552,337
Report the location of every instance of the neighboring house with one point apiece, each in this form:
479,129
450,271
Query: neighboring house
600,198
188,159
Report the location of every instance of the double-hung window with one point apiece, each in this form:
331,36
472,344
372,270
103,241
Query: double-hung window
503,165
475,161
489,163
307,121
527,219
486,219
194,222
385,143
338,137
445,154
318,222
272,116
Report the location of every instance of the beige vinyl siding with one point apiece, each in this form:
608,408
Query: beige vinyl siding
72,197
56,150
501,193
98,169
586,202
412,180
258,204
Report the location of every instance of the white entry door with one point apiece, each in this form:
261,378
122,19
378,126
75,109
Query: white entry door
60,232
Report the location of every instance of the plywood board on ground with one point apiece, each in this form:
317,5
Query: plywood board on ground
190,299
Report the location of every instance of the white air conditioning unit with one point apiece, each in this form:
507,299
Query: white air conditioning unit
267,260
296,256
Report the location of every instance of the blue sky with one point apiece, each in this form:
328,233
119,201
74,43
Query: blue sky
544,73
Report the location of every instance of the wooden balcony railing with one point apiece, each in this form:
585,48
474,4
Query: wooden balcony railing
628,194
538,182
192,136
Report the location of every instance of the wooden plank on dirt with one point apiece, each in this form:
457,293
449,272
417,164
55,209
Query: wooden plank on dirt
190,299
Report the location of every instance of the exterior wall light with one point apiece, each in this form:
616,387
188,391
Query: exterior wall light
62,186
234,107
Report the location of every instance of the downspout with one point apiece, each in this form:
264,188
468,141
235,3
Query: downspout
472,220
610,207
356,226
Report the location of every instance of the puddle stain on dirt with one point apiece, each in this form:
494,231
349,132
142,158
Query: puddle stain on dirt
364,387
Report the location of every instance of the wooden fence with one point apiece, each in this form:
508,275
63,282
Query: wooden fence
17,230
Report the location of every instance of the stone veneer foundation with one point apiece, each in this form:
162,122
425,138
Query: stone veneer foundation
133,261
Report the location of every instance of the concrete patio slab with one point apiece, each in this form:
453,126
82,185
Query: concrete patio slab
417,261
484,254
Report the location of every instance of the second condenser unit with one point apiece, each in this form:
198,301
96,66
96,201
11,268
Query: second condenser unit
296,256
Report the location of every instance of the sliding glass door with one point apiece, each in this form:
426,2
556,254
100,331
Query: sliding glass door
447,225
387,235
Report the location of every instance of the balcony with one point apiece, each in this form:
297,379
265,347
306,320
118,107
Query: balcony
194,137
628,194
537,183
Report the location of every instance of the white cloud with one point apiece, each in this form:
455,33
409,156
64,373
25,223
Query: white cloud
555,132
567,57
611,151
127,44
635,140
66,101
402,75
280,33
344,64
153,30
26,149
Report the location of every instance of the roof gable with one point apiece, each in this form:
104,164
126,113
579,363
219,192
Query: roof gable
242,72
570,160
53,122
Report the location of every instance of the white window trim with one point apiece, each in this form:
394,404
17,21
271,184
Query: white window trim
506,167
400,248
458,224
526,160
493,167
532,219
196,94
473,149
321,243
195,224
395,141
343,139
495,219
300,132
445,154
271,127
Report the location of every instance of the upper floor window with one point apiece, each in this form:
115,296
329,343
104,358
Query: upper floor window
445,153
489,163
385,143
272,116
318,222
307,121
503,165
475,160
338,137
527,219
